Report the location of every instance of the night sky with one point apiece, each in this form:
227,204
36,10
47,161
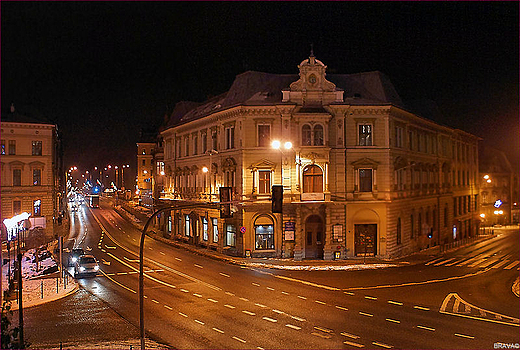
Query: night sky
104,70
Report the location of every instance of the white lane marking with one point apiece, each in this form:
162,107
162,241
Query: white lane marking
105,262
285,293
353,344
223,274
197,295
248,313
427,328
178,259
421,308
443,262
133,239
184,290
121,273
183,315
213,300
244,299
240,340
349,293
365,314
500,264
349,335
298,318
513,264
269,319
392,320
130,260
464,336
326,330
369,297
293,326
260,305
217,330
320,302
269,288
168,307
341,308
255,284
229,306
277,311
199,322
395,302
162,253
433,261
230,294
304,298
325,336
150,248
382,345
200,267
155,301
103,250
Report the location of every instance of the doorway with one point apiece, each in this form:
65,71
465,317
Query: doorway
314,237
365,239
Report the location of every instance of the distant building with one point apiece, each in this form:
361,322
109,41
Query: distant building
365,175
32,170
150,168
498,188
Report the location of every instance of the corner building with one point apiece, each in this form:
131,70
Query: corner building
365,175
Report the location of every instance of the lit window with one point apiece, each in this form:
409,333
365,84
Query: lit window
230,235
204,228
187,225
264,237
264,181
37,177
37,207
365,135
312,179
36,148
3,148
214,223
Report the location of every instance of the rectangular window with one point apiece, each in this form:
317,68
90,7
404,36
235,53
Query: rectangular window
204,228
187,146
36,148
12,147
365,135
410,140
169,224
160,168
144,162
230,137
214,223
3,148
195,144
214,143
230,235
398,136
178,148
37,208
264,181
17,207
204,138
365,180
187,225
37,177
264,135
17,177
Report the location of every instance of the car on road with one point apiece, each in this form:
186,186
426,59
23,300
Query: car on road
86,265
74,255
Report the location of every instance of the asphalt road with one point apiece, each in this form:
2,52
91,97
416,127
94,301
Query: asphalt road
197,302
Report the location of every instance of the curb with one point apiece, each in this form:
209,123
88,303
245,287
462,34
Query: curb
14,306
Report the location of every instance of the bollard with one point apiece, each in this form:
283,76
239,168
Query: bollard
42,287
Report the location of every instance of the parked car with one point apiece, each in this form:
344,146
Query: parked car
86,265
74,255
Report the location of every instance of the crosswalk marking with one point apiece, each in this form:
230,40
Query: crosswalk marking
443,261
500,264
489,262
513,264
433,261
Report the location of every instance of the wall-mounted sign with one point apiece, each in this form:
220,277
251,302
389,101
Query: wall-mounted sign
498,203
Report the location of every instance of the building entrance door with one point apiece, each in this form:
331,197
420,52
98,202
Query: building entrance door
365,239
314,237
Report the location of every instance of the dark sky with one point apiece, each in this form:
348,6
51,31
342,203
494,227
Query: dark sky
104,70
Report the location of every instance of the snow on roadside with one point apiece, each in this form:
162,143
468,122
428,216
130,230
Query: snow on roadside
321,267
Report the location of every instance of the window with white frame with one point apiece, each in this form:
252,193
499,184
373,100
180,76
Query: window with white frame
264,135
36,148
306,135
365,134
230,137
204,228
365,180
231,233
187,225
264,181
214,224
312,179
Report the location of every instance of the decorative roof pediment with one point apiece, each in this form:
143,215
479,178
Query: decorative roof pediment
263,164
365,162
400,163
16,163
36,164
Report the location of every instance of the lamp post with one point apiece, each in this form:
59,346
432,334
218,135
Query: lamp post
276,144
211,153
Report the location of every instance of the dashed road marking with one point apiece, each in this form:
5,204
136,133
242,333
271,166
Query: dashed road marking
464,336
298,318
178,259
341,308
269,319
243,299
197,295
395,302
213,300
349,293
293,326
196,265
183,315
285,293
223,274
199,322
184,290
277,311
369,297
269,288
155,301
218,330
325,336
240,340
304,298
427,328
255,284
162,253
326,330
320,302
229,306
168,307
392,320
365,314
353,344
260,305
349,335
382,345
421,308
248,313
230,294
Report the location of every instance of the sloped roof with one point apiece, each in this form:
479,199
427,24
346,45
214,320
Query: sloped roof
258,88
30,117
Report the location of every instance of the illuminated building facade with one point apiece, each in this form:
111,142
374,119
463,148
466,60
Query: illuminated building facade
364,176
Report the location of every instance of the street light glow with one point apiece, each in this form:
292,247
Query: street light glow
276,144
288,145
204,169
486,177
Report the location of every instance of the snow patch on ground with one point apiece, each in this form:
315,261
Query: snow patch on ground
322,267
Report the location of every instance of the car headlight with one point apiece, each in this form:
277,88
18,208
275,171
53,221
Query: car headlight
96,267
81,268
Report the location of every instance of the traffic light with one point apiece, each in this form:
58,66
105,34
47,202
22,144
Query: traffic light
276,198
225,196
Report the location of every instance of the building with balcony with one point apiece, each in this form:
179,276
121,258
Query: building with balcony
32,170
365,176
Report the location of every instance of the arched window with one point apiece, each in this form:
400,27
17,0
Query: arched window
306,135
312,179
318,135
264,233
